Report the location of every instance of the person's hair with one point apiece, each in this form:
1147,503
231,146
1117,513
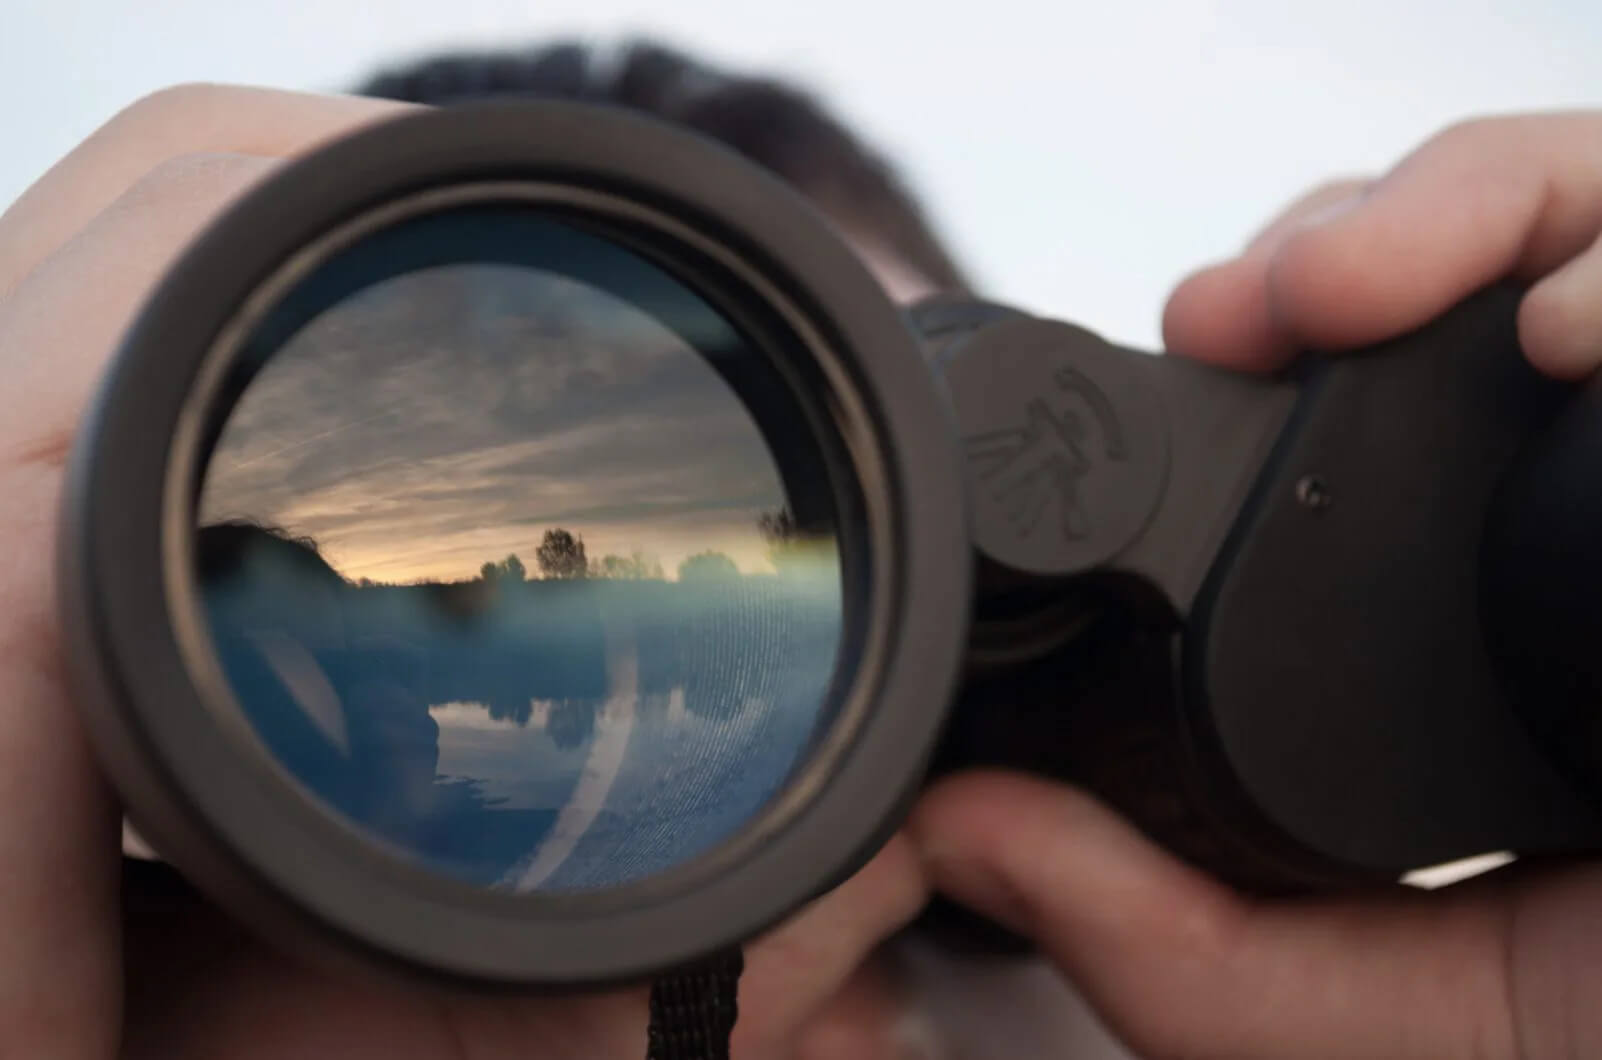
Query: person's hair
777,125
223,548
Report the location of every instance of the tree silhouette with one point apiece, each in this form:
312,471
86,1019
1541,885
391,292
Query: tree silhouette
791,546
509,569
571,722
778,528
561,555
708,566
517,710
785,538
636,566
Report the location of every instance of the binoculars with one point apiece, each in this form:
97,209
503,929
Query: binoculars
521,545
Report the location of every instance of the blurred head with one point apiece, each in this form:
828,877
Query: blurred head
776,125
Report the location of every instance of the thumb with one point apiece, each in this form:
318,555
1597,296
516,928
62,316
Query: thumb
1178,965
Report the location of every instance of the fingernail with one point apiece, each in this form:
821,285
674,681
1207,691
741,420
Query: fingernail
1332,211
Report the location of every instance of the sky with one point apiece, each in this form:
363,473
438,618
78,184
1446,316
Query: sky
449,417
1081,157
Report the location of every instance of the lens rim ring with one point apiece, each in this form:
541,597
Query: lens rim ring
138,694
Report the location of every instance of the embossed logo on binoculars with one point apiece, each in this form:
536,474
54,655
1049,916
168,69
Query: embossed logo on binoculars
1063,437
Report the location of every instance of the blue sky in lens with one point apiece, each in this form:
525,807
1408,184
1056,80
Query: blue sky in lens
450,417
1081,156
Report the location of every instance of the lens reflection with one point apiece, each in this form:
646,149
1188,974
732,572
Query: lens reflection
501,569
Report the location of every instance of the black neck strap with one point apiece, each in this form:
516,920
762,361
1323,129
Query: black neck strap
693,1010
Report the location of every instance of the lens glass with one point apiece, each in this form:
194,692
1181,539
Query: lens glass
513,552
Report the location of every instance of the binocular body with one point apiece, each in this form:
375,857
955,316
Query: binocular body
1311,631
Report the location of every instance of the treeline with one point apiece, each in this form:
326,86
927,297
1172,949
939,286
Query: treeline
562,556
505,639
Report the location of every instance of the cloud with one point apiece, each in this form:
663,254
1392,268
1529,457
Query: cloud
448,416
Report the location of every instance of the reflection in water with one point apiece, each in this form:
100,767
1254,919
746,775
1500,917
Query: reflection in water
546,734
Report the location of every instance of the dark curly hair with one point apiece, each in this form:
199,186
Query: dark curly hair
223,548
774,124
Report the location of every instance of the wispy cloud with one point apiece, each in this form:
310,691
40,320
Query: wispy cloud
449,417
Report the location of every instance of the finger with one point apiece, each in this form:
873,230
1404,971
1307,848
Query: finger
58,328
795,970
1180,966
1483,201
1560,320
185,120
59,985
1480,202
1221,313
1323,203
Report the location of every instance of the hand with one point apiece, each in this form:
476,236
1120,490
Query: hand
1358,261
1502,966
85,975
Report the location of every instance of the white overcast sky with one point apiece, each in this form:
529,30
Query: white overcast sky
1081,156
